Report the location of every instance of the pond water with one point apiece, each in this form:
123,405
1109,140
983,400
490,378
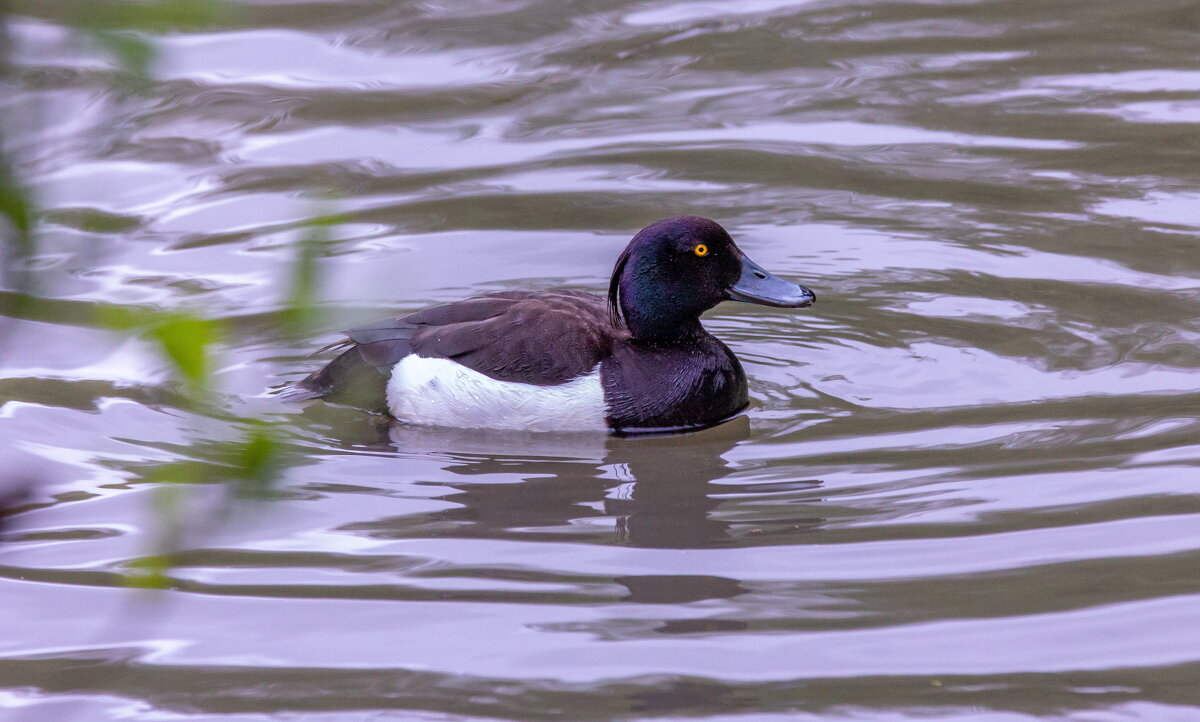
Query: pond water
968,486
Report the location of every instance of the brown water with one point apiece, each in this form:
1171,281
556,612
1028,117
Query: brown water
969,483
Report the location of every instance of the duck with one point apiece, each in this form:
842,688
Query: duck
634,361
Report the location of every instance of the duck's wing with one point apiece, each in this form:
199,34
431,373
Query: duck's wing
543,338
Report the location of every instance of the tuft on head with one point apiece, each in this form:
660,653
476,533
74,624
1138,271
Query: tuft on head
614,287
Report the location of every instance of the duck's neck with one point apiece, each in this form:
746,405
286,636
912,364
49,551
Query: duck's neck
655,315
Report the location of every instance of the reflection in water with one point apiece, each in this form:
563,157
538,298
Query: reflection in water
670,494
13,496
667,496
660,490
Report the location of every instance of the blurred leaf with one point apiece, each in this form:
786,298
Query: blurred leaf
125,318
259,460
123,28
327,220
133,52
184,472
18,243
186,340
260,453
168,503
300,313
149,572
15,206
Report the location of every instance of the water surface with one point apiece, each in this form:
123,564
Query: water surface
967,485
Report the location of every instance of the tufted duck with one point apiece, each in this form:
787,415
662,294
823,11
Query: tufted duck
636,362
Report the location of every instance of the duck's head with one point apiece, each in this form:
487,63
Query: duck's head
677,268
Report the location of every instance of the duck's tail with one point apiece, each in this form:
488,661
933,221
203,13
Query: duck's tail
347,379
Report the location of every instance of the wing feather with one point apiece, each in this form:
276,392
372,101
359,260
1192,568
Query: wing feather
543,338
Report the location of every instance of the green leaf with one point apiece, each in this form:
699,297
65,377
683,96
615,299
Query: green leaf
301,303
124,29
125,318
150,573
15,205
185,339
134,53
258,460
18,243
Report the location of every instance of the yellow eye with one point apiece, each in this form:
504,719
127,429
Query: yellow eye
700,250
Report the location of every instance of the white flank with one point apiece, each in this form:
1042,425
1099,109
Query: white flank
440,392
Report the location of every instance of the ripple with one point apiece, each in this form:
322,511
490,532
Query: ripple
286,59
688,12
965,488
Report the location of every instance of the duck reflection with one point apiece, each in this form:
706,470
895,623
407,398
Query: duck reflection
664,500
551,487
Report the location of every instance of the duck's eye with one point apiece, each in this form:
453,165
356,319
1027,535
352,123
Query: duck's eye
700,250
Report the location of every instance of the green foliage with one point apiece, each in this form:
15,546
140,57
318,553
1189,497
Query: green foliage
15,206
133,53
184,339
17,241
253,460
250,464
150,572
124,29
16,209
300,309
258,460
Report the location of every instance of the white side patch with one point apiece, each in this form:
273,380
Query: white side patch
440,392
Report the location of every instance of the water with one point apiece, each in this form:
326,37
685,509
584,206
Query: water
967,486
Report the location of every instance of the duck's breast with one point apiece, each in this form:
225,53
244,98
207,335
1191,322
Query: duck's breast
655,389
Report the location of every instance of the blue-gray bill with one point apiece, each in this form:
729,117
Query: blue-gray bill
759,286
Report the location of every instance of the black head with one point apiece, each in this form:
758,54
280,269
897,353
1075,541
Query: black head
678,268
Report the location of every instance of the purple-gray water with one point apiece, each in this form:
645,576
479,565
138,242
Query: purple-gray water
968,486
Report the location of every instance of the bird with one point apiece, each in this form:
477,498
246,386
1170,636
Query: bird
636,361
